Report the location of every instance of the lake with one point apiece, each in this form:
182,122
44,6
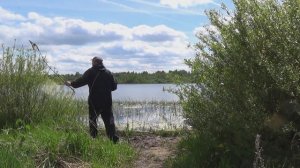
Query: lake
143,107
136,92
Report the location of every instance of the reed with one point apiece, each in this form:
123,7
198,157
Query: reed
39,123
23,79
148,115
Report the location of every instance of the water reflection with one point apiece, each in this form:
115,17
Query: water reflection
136,92
145,116
143,107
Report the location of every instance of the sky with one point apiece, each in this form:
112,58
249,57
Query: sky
130,35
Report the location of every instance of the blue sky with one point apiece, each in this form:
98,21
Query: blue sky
130,35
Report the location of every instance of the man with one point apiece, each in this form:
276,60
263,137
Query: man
101,83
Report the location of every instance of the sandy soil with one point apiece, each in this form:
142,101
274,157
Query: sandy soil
153,150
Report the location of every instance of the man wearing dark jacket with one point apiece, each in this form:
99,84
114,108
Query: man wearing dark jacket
101,83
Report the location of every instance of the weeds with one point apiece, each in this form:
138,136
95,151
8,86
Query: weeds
148,115
8,159
39,123
52,146
23,79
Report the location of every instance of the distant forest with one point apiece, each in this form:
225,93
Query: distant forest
136,77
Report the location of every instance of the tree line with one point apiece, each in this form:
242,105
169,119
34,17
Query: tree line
136,77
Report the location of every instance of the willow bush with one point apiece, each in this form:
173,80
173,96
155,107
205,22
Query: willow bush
246,82
23,84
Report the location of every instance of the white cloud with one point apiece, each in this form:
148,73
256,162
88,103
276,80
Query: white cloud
69,44
9,16
40,20
184,3
159,33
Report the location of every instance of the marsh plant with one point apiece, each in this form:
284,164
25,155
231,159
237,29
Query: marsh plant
38,123
149,115
23,75
144,116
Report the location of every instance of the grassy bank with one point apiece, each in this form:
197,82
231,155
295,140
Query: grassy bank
59,146
39,127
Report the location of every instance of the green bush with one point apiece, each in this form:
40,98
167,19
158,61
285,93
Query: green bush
246,71
21,76
26,93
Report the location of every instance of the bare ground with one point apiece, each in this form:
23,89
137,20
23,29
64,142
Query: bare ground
153,150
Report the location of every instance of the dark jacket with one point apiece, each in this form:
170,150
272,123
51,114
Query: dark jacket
101,83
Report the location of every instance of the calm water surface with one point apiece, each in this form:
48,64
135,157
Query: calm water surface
136,92
143,107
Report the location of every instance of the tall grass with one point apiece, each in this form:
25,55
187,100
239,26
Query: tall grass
145,116
39,123
8,159
148,115
23,77
52,146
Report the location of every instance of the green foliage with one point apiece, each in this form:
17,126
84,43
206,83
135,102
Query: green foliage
189,153
8,160
67,77
156,77
53,146
134,77
21,76
39,121
246,69
26,93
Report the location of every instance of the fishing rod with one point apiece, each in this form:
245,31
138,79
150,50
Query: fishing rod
35,47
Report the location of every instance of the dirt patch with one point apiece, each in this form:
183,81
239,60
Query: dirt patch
153,150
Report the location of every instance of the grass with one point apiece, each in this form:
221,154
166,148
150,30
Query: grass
8,159
53,146
40,127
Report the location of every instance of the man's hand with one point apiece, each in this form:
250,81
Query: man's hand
68,83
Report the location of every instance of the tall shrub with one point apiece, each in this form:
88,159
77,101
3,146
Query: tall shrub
22,74
245,70
25,90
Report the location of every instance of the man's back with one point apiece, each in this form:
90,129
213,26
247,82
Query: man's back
102,84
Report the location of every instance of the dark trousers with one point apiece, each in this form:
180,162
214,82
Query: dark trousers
107,117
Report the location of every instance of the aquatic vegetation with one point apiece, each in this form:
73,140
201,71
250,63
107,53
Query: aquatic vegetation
149,115
144,116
